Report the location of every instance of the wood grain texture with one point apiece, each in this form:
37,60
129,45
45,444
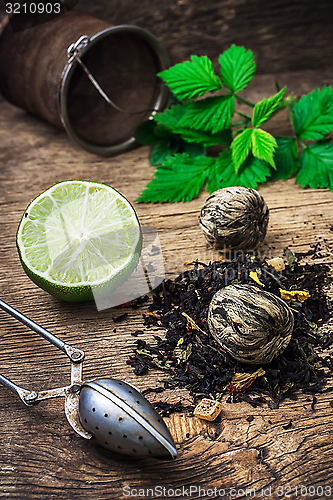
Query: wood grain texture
40,456
285,35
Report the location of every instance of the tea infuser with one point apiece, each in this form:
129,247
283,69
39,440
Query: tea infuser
111,411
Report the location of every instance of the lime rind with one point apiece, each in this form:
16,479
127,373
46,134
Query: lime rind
78,236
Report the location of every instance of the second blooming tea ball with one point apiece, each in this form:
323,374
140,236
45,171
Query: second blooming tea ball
234,217
252,325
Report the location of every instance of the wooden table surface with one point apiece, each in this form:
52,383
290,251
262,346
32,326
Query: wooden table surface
40,455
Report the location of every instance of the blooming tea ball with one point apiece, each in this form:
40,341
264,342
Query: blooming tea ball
234,217
252,325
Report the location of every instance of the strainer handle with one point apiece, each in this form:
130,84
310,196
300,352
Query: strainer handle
28,397
75,355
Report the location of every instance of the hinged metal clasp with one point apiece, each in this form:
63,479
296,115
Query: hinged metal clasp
70,392
76,48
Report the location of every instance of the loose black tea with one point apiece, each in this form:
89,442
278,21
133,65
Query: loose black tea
288,425
120,318
191,357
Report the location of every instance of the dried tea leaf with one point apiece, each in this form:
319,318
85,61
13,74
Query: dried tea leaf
160,364
192,323
184,356
311,324
154,315
286,387
144,352
241,381
291,258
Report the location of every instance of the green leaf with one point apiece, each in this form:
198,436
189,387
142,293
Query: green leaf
286,158
317,166
180,177
170,117
173,100
263,146
253,171
211,114
207,139
266,108
145,133
163,149
191,79
220,170
163,133
241,146
222,174
193,149
237,68
313,115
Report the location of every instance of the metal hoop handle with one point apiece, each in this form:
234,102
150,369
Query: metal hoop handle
74,54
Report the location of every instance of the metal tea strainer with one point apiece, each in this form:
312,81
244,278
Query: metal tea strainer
112,411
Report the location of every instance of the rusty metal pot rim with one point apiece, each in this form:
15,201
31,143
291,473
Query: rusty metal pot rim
70,69
3,24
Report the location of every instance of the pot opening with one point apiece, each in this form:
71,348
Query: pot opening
125,64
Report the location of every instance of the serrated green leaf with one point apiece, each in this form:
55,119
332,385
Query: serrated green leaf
237,68
207,139
220,171
193,149
163,133
211,114
170,117
191,79
173,100
222,174
313,114
253,172
145,133
263,146
286,158
264,109
241,146
162,149
180,177
317,166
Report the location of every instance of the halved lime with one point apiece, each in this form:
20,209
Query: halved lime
79,237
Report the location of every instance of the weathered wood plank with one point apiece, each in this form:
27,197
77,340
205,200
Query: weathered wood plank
284,35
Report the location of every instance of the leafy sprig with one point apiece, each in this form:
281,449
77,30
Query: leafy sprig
202,114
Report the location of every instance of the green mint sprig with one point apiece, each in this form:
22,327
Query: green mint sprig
250,155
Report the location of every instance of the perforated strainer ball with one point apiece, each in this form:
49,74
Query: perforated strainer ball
111,410
234,218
